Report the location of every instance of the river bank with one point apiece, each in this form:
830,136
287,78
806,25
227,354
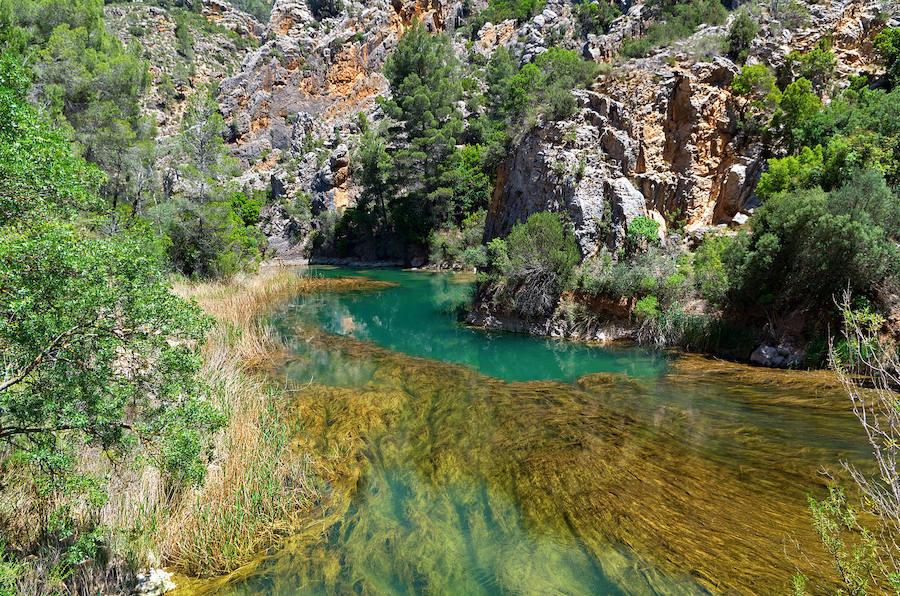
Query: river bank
695,330
257,489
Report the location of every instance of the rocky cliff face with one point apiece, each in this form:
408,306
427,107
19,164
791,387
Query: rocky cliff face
660,136
218,45
303,88
296,101
656,136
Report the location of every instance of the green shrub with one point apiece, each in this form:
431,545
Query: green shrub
741,34
533,265
246,208
10,570
887,44
808,246
816,65
183,36
501,10
541,88
678,20
694,331
853,350
637,47
325,9
710,274
211,240
595,16
647,307
798,104
261,9
652,271
790,14
858,128
791,172
642,232
756,81
472,186
475,257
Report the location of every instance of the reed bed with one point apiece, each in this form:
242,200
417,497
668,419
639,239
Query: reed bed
258,488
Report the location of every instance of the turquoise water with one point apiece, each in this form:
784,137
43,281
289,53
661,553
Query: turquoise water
494,463
418,317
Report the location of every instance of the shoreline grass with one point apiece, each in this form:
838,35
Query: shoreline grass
258,489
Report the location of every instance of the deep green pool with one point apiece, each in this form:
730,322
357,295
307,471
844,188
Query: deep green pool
495,463
418,317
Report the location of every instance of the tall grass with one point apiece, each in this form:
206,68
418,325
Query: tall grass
257,488
260,484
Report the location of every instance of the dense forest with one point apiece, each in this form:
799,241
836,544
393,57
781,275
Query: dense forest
101,214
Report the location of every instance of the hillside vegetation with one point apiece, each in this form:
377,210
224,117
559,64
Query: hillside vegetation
135,201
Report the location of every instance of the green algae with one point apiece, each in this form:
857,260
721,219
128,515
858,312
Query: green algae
687,479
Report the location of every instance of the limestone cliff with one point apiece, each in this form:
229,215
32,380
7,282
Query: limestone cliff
656,136
660,135
217,43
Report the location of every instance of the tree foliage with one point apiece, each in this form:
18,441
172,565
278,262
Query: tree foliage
816,65
93,340
741,34
798,104
85,77
533,264
501,10
595,16
96,351
210,225
887,44
425,87
39,176
809,245
539,88
261,9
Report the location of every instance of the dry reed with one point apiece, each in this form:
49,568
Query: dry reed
256,489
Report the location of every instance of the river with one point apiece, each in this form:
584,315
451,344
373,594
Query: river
490,463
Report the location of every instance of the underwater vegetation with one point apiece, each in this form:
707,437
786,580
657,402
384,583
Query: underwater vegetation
687,478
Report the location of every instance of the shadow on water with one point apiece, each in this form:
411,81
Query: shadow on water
466,463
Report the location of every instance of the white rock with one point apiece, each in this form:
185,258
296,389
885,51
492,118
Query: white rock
156,581
740,219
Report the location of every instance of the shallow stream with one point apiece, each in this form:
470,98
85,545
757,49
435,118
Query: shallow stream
476,462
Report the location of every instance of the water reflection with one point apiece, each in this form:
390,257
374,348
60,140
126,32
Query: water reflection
417,317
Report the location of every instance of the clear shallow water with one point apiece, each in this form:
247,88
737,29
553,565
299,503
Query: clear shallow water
471,463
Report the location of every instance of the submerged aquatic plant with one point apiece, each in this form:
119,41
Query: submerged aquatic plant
863,544
449,479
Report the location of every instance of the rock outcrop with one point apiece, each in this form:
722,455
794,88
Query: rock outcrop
666,126
217,51
656,136
558,167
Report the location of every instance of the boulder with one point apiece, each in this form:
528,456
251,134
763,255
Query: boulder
154,582
784,355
